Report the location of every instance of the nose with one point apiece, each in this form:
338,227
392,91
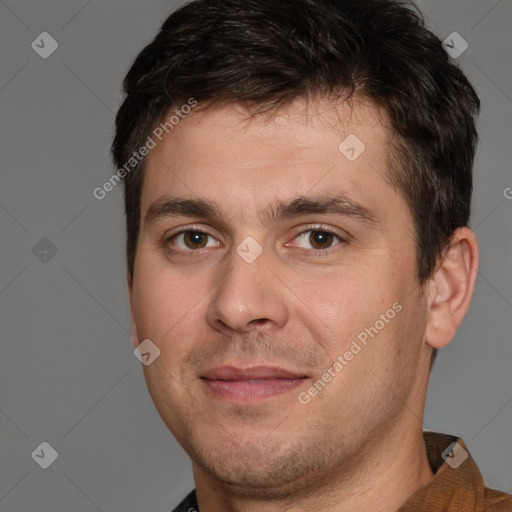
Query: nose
248,297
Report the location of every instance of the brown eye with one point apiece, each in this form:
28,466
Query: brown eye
195,239
321,239
318,239
191,240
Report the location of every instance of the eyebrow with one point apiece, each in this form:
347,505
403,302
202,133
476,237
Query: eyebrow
179,207
338,204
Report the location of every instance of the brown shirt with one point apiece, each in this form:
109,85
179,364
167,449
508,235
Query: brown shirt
457,485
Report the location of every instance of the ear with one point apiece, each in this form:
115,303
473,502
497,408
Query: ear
451,287
133,325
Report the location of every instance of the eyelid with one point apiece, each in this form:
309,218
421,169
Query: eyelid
167,238
185,229
343,236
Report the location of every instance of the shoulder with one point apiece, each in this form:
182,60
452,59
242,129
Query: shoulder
497,501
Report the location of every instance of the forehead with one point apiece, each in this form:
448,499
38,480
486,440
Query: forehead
307,147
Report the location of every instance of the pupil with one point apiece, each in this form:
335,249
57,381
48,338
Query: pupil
320,238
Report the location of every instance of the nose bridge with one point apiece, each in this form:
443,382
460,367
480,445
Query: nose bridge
248,295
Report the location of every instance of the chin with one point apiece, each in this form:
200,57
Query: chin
248,472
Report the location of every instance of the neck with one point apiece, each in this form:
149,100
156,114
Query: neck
384,475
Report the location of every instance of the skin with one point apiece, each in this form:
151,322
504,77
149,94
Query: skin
357,445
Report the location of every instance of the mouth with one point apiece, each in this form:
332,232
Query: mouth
250,385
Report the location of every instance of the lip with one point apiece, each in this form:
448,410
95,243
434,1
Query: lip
252,384
250,373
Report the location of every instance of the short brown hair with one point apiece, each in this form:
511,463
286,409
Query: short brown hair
266,53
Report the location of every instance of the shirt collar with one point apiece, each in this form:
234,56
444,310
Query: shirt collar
457,483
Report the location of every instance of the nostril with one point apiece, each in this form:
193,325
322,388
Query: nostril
259,321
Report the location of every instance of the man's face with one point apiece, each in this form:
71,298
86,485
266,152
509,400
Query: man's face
304,249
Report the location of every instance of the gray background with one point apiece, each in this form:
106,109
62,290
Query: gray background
68,375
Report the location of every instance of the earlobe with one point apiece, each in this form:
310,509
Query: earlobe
451,288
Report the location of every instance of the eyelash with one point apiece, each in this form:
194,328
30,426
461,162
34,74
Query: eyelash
315,252
320,229
184,232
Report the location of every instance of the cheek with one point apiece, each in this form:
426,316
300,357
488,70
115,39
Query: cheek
337,306
159,301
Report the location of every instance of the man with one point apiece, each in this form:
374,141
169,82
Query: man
297,190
